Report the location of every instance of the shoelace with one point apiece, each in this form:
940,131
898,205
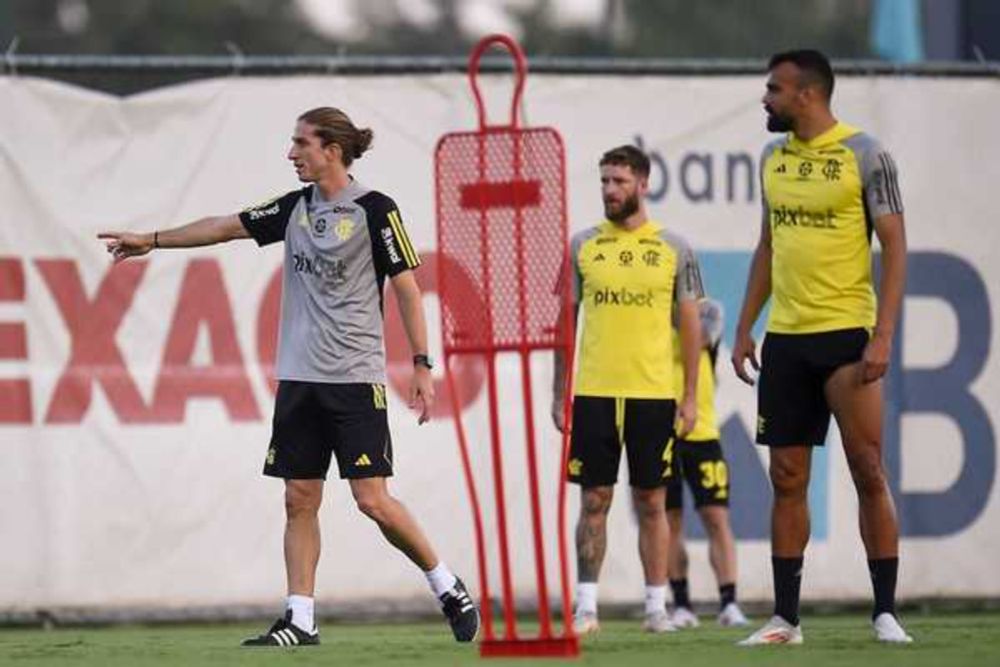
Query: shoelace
460,599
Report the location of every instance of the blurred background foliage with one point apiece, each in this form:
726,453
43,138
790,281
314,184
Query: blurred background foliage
582,28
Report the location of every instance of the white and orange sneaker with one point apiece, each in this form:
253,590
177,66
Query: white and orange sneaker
775,631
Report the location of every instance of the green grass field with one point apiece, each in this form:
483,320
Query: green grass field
942,639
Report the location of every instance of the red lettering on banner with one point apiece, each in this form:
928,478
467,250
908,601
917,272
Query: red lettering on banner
204,301
15,394
469,371
267,329
94,354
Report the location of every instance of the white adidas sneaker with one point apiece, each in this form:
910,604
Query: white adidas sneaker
684,618
585,623
657,622
732,616
887,629
775,631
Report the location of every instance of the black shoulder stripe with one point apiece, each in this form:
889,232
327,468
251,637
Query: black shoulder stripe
887,181
895,184
694,278
891,184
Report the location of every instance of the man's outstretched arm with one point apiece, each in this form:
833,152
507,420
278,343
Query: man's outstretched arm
206,231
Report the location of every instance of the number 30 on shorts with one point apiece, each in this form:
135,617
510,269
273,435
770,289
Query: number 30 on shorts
714,474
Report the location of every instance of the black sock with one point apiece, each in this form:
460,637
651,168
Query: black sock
679,587
787,582
883,571
727,594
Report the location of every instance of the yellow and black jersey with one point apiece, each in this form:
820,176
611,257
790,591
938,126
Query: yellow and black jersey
626,283
706,428
707,425
821,198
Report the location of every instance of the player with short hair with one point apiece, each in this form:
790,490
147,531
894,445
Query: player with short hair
826,187
628,275
697,459
343,240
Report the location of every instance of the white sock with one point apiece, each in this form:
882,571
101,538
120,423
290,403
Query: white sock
302,612
656,599
440,579
586,597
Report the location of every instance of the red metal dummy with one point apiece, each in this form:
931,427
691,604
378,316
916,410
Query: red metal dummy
501,221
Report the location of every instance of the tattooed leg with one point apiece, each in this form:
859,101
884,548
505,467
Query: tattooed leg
591,531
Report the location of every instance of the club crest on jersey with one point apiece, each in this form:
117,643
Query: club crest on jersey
344,229
319,226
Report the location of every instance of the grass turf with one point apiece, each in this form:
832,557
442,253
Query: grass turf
941,639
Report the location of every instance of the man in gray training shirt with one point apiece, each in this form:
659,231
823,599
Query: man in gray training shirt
342,240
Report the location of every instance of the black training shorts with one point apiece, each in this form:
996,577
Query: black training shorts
702,465
791,403
313,420
602,426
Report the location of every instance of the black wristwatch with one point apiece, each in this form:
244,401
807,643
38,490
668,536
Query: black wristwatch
423,360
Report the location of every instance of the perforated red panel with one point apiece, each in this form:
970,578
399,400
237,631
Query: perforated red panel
501,211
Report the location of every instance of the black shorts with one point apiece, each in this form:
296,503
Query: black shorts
602,426
702,465
313,420
791,403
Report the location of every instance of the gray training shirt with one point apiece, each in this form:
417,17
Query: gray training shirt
337,256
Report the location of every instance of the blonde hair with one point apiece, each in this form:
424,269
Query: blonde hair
333,126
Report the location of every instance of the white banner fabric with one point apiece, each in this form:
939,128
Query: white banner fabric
135,404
